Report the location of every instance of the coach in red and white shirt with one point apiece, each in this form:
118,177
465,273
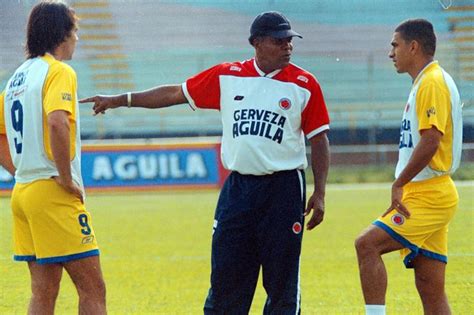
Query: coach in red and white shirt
268,107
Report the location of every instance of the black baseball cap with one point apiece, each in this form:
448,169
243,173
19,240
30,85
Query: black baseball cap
271,23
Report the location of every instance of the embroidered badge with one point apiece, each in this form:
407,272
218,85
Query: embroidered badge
431,111
297,228
66,96
398,219
285,104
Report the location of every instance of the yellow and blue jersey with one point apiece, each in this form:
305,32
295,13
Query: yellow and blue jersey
431,196
42,209
434,101
38,87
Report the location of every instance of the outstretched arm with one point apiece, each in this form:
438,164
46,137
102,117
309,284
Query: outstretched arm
158,97
320,166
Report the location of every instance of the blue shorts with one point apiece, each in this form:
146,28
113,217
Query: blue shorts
258,224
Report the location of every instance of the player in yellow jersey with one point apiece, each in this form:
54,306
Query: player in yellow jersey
40,145
424,198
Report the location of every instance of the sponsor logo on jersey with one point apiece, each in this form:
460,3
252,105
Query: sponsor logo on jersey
407,107
258,122
18,79
431,111
66,96
17,94
398,219
302,78
235,68
285,104
16,87
406,139
297,228
238,98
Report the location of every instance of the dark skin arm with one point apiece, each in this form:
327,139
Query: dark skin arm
157,97
168,95
58,125
320,167
421,157
5,158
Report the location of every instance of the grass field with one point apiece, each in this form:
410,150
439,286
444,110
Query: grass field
156,255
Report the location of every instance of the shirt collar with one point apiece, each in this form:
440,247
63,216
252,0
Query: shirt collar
263,74
425,69
48,55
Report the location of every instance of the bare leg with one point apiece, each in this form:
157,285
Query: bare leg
87,277
429,279
45,281
370,246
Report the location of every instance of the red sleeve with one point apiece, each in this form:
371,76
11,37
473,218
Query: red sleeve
315,117
203,89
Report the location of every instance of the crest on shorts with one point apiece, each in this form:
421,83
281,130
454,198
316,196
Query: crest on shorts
88,239
398,219
297,228
285,104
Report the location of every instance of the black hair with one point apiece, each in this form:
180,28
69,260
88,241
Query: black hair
50,23
419,30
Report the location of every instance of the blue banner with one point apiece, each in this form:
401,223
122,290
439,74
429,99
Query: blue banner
6,180
128,167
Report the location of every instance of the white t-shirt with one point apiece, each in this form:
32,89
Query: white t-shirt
264,117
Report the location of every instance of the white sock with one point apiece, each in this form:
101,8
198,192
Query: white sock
373,309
